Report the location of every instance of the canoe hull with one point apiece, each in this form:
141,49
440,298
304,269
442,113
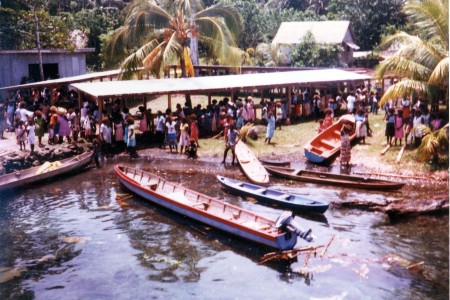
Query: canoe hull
328,143
29,176
250,165
298,203
348,181
282,241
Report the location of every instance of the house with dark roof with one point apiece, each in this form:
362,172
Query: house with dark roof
324,32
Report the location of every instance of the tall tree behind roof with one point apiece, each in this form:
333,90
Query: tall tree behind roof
157,36
422,58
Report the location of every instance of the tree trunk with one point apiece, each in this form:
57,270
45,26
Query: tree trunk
38,44
184,75
194,54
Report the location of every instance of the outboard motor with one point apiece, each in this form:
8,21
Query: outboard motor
286,222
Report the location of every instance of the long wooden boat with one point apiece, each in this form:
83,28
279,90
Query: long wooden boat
328,142
45,171
334,179
291,201
250,165
208,210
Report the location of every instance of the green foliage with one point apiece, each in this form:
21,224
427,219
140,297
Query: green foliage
309,53
369,18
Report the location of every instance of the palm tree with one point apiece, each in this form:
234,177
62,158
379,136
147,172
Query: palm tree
434,146
272,55
159,37
422,59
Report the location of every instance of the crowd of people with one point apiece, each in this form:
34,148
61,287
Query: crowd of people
31,117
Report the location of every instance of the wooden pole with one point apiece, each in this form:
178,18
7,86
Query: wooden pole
169,101
209,98
289,94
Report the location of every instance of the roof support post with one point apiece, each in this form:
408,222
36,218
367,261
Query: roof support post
209,98
169,101
289,94
100,102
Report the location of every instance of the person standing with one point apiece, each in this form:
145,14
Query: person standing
184,135
351,102
328,121
31,134
131,141
346,149
232,139
21,134
398,127
171,134
270,127
390,126
160,121
106,136
361,127
194,130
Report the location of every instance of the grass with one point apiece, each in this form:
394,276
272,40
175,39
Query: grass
290,140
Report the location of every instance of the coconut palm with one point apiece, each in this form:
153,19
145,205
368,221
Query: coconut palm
422,59
272,55
159,37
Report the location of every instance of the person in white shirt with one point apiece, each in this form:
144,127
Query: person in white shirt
351,102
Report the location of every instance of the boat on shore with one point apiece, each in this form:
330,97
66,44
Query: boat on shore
48,170
250,165
275,162
350,181
271,196
280,234
327,143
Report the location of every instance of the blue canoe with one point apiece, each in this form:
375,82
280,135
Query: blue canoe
272,196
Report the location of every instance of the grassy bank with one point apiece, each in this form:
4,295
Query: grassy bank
288,143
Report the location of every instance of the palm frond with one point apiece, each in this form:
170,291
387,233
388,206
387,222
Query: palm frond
439,76
190,72
430,17
231,18
405,88
427,149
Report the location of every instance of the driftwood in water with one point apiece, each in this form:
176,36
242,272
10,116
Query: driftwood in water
439,204
288,254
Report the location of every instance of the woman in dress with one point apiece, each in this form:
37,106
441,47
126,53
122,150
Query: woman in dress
39,126
250,110
361,127
184,135
194,130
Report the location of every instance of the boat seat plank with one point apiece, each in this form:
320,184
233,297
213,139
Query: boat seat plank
328,143
284,196
259,191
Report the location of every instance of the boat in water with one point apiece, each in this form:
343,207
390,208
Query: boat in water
250,165
47,170
327,143
281,199
280,234
349,181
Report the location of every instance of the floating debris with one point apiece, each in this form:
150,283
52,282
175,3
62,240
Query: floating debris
7,274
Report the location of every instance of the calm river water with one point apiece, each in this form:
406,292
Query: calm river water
84,237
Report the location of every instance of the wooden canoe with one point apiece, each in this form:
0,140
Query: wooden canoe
328,142
252,168
206,209
291,201
32,175
275,162
335,179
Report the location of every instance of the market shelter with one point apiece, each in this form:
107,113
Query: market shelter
101,91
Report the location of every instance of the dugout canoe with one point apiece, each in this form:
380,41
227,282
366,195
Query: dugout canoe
280,234
48,170
327,143
274,162
250,165
349,181
271,196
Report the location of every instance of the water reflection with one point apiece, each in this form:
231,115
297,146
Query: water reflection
87,237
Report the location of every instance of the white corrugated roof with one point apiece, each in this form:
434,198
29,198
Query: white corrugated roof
324,32
214,83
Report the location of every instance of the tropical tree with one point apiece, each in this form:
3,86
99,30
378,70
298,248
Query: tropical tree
434,146
154,37
422,58
272,55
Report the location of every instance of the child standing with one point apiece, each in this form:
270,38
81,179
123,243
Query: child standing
96,152
270,127
131,141
390,126
184,135
328,118
20,134
398,127
31,134
321,126
346,150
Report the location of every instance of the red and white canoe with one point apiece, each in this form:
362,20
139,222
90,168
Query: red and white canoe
281,234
